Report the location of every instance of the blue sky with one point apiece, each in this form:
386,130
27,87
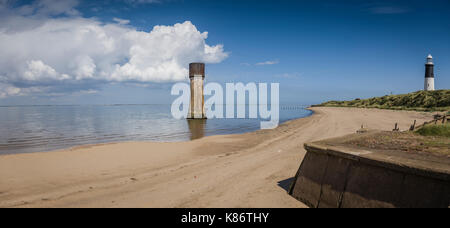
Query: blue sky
316,50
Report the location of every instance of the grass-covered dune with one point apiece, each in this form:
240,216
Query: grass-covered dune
435,130
438,100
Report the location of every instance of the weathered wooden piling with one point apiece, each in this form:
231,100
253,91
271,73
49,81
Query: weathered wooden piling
396,127
413,127
197,103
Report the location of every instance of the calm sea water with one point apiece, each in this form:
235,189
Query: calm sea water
25,129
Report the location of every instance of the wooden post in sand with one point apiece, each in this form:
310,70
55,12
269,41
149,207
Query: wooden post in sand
396,127
413,126
197,104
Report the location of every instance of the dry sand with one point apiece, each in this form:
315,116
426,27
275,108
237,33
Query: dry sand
248,170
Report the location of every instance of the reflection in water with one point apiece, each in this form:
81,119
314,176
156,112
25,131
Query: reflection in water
197,128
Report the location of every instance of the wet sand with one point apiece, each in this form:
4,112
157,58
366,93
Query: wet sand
247,170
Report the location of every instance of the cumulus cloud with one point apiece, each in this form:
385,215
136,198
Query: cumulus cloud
39,49
37,70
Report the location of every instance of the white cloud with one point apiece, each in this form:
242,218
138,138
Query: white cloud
37,48
37,70
8,90
121,21
268,63
89,91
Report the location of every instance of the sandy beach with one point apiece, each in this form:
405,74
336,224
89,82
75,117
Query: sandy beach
247,170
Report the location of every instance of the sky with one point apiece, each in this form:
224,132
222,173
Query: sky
132,51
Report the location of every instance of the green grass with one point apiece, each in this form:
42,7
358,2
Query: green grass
435,130
438,100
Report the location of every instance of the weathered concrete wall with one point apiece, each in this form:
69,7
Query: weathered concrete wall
331,177
197,105
197,102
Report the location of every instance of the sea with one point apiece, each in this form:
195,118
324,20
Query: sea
28,129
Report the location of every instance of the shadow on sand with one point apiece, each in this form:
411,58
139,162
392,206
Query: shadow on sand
286,184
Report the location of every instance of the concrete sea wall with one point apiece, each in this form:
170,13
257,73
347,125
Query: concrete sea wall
331,177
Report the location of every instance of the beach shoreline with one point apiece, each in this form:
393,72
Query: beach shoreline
97,125
77,147
241,170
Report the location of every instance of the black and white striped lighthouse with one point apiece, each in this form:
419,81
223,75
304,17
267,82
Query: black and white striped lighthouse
429,74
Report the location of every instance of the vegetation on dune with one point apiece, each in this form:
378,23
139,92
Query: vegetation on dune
408,142
438,100
435,130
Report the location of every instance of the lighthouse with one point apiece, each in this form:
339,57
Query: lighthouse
197,103
429,74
